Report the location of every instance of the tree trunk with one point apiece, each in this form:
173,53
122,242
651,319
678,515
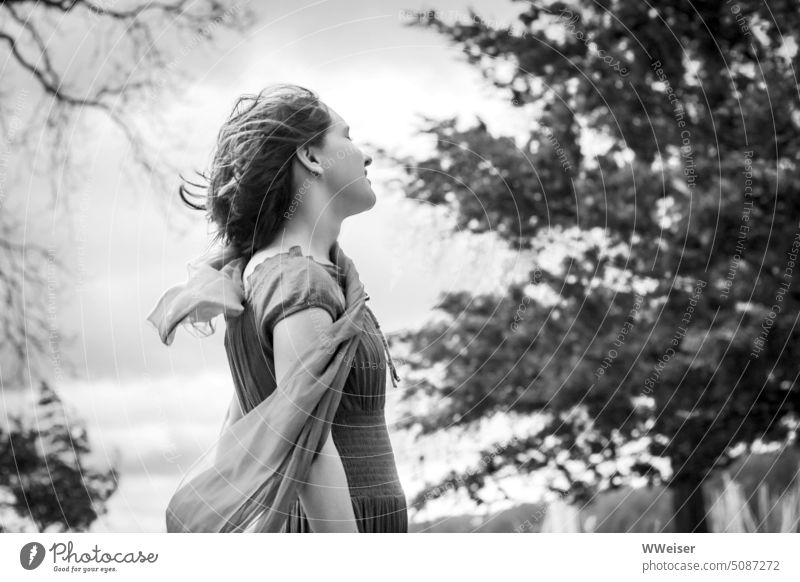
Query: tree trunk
689,506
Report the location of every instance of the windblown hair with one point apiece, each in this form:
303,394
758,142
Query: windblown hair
250,190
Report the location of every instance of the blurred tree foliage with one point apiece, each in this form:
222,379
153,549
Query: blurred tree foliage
675,326
44,473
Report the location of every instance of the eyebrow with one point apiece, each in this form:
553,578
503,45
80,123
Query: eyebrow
347,129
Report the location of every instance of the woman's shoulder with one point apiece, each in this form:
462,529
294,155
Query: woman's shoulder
288,282
286,270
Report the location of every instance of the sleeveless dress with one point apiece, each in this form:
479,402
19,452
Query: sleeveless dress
277,287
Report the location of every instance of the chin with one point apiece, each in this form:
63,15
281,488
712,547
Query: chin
366,200
372,199
360,201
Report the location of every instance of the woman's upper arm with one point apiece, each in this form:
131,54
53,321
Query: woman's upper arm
292,335
298,286
234,410
233,414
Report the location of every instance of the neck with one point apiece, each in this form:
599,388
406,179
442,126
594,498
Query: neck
315,237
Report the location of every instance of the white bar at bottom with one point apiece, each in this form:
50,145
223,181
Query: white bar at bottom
406,557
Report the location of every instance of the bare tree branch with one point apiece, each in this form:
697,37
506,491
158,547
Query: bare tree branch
146,64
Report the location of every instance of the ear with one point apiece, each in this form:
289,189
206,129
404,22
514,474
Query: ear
307,156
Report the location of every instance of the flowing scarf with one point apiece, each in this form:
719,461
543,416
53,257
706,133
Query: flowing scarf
249,479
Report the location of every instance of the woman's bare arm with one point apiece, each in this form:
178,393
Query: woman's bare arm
234,413
326,496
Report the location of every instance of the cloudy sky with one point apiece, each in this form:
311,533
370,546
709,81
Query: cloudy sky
155,408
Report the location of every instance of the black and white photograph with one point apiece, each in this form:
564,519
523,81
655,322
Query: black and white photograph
399,267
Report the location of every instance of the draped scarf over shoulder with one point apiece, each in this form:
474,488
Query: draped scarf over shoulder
248,480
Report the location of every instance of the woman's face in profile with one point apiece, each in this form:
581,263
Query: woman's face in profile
344,170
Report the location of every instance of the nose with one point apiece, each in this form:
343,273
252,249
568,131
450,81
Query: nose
367,160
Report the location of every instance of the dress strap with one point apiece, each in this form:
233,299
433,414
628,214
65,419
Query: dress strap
394,375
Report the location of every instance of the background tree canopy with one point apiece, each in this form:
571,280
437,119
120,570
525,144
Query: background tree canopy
674,326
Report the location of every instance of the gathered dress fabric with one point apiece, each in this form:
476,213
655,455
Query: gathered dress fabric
250,478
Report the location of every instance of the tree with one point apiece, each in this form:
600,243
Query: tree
45,470
675,320
119,60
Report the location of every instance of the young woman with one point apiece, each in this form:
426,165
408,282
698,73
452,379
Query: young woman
305,446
